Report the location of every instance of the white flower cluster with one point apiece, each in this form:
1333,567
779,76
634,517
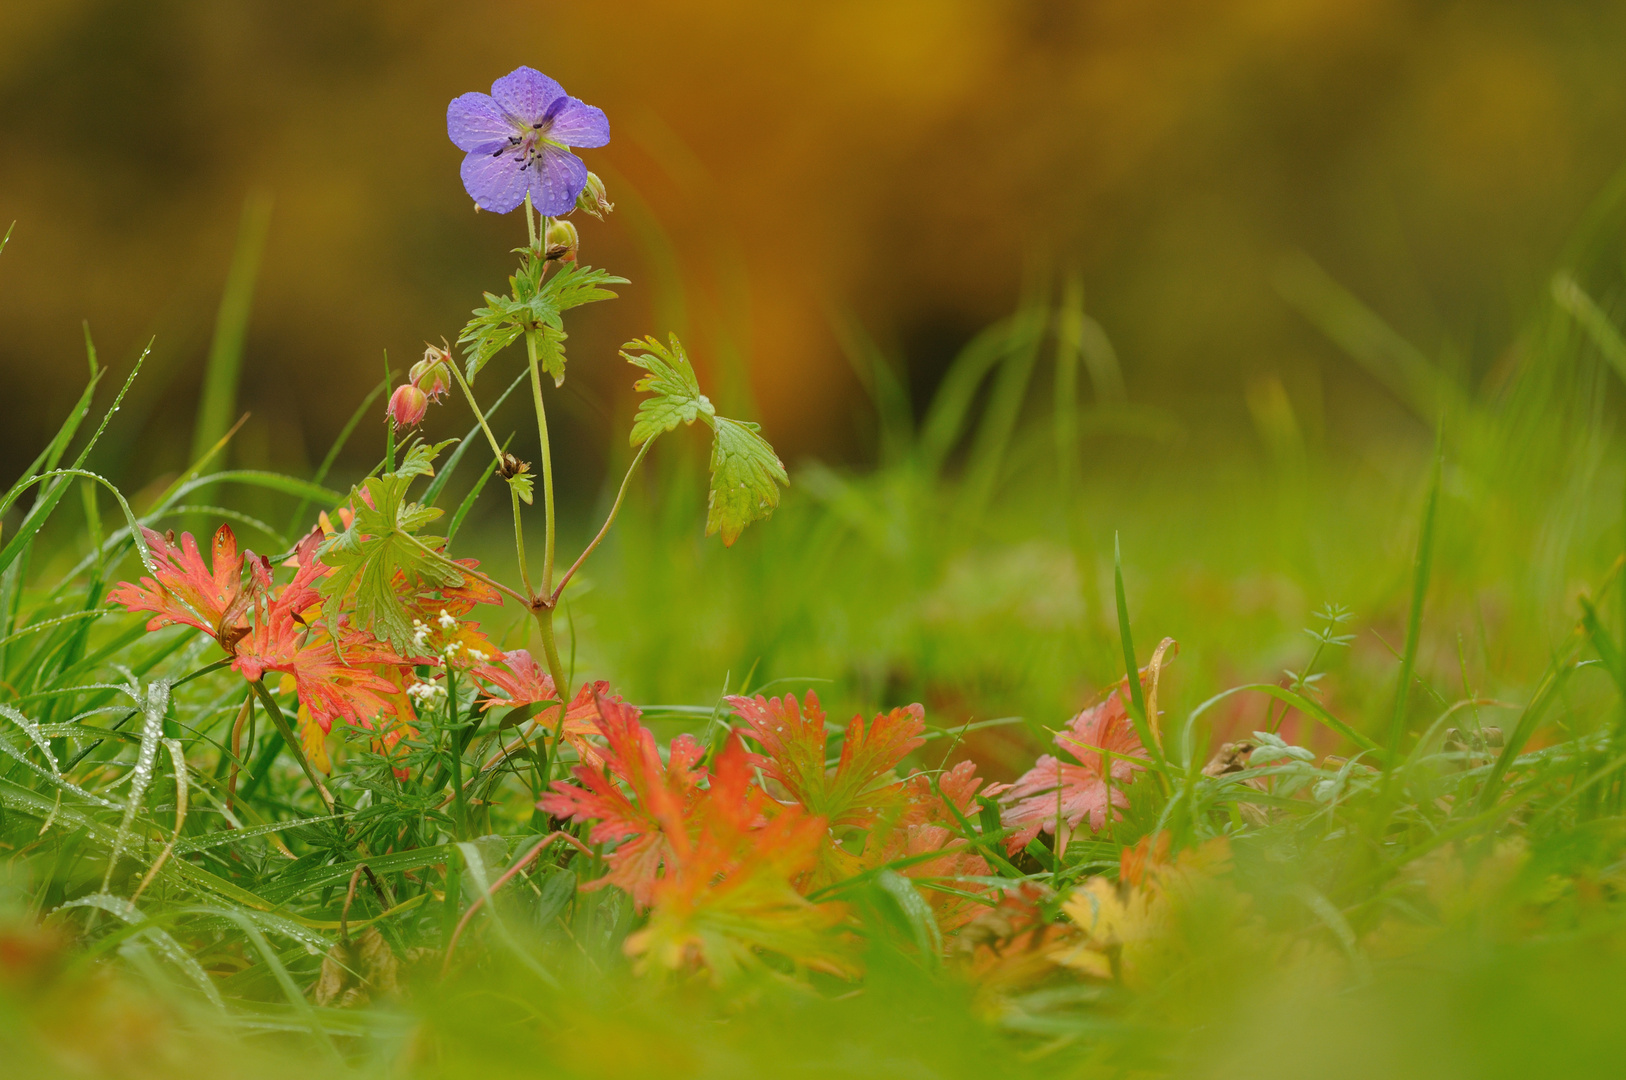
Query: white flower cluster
421,632
426,693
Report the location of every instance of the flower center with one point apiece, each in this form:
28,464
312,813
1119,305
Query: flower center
528,142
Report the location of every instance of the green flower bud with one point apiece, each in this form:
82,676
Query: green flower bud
562,240
593,199
430,375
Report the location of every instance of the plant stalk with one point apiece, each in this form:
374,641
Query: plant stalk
558,591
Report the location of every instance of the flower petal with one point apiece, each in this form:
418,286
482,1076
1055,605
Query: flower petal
555,181
476,124
576,123
526,93
494,183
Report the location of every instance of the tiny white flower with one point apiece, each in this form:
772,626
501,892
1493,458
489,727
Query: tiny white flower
425,692
447,622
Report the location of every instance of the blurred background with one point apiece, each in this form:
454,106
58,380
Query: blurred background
1268,212
909,161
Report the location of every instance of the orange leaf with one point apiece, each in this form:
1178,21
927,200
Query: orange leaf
186,591
861,784
648,823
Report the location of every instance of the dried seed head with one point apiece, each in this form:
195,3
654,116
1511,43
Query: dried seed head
512,466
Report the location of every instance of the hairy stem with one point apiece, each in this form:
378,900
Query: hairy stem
541,602
274,711
558,591
550,650
547,461
519,545
474,407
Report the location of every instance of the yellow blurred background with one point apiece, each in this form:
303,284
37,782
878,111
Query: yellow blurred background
777,167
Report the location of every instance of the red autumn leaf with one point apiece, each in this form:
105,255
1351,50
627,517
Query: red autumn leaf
341,680
647,820
518,675
462,599
929,824
861,785
439,627
958,861
730,893
1057,791
957,787
186,591
523,680
335,677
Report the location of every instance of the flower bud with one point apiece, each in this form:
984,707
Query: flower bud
407,406
593,199
562,240
430,375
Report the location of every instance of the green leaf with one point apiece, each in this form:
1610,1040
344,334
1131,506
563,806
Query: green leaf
574,286
492,329
745,478
381,543
535,306
524,484
550,352
671,379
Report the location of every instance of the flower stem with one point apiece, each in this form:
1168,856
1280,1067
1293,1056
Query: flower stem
456,743
608,521
275,713
519,547
547,462
474,406
541,602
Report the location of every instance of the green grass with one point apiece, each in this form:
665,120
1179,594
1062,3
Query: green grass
1446,904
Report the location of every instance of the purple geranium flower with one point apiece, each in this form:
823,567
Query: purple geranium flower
516,138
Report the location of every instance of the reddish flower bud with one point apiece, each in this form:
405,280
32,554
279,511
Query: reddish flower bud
407,406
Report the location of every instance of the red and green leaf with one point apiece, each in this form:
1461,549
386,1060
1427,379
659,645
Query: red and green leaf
861,785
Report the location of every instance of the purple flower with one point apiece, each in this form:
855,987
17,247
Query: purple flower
516,138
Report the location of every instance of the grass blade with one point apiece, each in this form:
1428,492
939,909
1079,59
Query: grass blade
224,369
52,454
1004,407
945,420
1137,696
469,499
444,473
1422,568
334,450
1558,673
